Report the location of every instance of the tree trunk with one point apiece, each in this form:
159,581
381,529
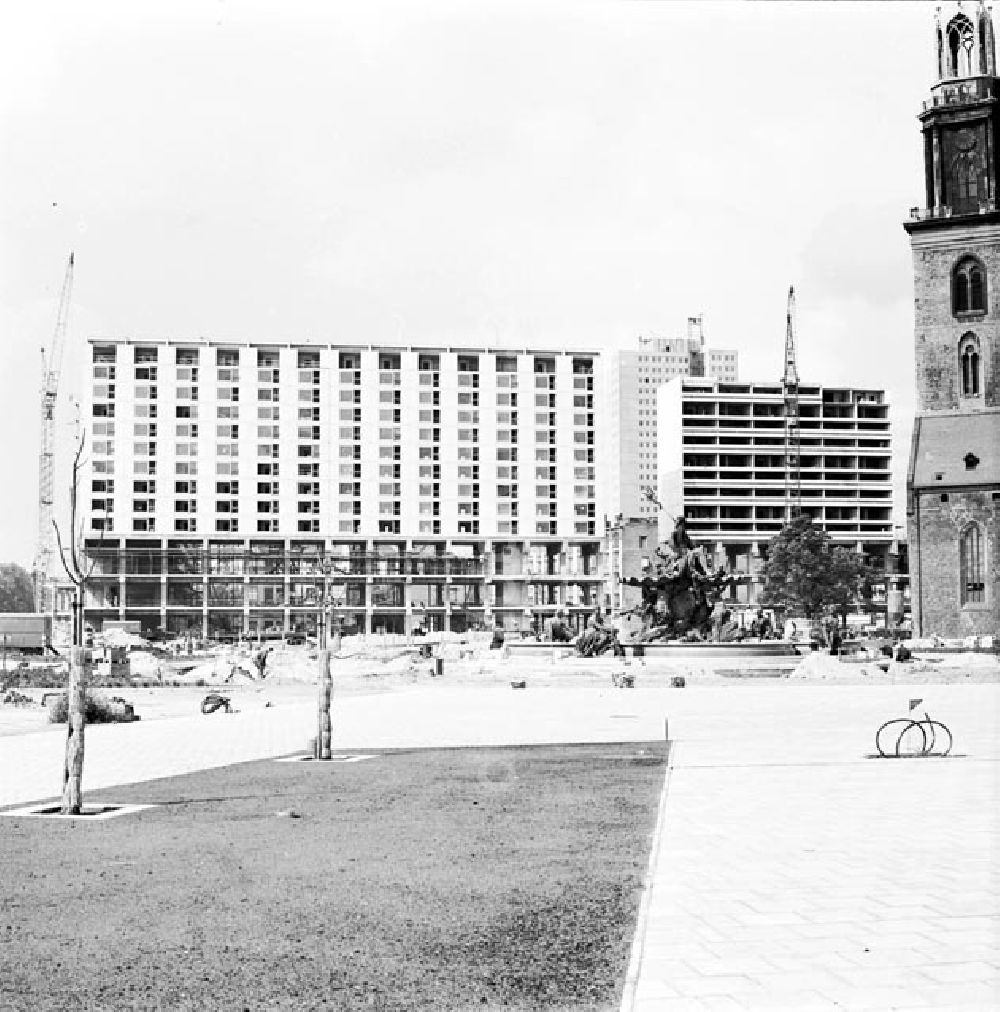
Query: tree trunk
72,797
324,731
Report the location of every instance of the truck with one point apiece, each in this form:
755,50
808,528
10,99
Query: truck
28,632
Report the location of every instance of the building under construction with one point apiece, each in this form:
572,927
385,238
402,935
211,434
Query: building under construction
725,463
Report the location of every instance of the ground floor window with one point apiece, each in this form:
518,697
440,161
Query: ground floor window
973,587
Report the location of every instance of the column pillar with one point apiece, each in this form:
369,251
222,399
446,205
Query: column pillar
936,150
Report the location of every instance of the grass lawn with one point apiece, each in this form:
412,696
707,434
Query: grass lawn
441,879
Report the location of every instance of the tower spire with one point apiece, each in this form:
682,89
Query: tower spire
964,43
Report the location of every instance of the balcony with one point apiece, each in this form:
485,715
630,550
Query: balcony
959,93
986,205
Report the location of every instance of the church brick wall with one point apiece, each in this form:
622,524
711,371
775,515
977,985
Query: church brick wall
935,528
937,331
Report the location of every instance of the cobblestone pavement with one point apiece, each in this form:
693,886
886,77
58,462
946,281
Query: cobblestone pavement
790,871
794,873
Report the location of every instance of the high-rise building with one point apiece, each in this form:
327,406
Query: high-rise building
722,465
233,488
632,380
953,480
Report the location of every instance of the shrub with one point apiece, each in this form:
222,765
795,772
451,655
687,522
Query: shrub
97,710
49,677
15,698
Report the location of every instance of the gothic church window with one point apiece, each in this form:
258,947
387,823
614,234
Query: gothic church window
969,287
977,300
969,364
973,589
960,43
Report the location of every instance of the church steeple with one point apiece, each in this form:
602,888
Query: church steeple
961,120
964,43
952,519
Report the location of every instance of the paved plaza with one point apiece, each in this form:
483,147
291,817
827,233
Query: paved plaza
788,869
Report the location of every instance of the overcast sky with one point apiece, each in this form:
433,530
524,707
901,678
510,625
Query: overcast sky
555,174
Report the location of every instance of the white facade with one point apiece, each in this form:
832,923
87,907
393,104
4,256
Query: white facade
218,448
632,381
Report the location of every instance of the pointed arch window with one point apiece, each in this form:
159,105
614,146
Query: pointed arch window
969,363
969,287
961,40
973,588
961,293
977,294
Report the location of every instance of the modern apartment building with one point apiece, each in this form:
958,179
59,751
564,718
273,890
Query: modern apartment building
234,488
632,380
722,465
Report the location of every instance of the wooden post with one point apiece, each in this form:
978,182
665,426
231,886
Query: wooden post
72,797
324,731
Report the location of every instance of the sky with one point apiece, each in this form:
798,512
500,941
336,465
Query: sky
499,173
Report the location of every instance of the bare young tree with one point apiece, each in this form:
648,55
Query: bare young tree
78,572
327,624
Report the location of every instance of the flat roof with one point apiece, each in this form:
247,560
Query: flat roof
306,343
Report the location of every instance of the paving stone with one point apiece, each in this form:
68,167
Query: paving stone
794,1001
948,996
962,972
653,989
704,987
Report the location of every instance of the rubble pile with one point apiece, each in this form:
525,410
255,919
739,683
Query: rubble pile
924,667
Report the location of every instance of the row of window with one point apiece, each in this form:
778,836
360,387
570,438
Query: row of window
230,525
229,358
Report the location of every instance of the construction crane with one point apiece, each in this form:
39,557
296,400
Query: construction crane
51,367
790,391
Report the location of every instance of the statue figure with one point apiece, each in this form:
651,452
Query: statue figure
679,599
597,638
557,630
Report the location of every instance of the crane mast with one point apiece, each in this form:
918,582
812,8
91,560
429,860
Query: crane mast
790,391
51,367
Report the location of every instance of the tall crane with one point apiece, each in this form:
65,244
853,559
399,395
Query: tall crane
51,368
790,391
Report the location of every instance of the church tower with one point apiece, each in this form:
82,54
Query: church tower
953,479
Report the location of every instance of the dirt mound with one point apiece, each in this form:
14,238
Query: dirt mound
820,666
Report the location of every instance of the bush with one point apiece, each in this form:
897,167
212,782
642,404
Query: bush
15,698
49,677
97,710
